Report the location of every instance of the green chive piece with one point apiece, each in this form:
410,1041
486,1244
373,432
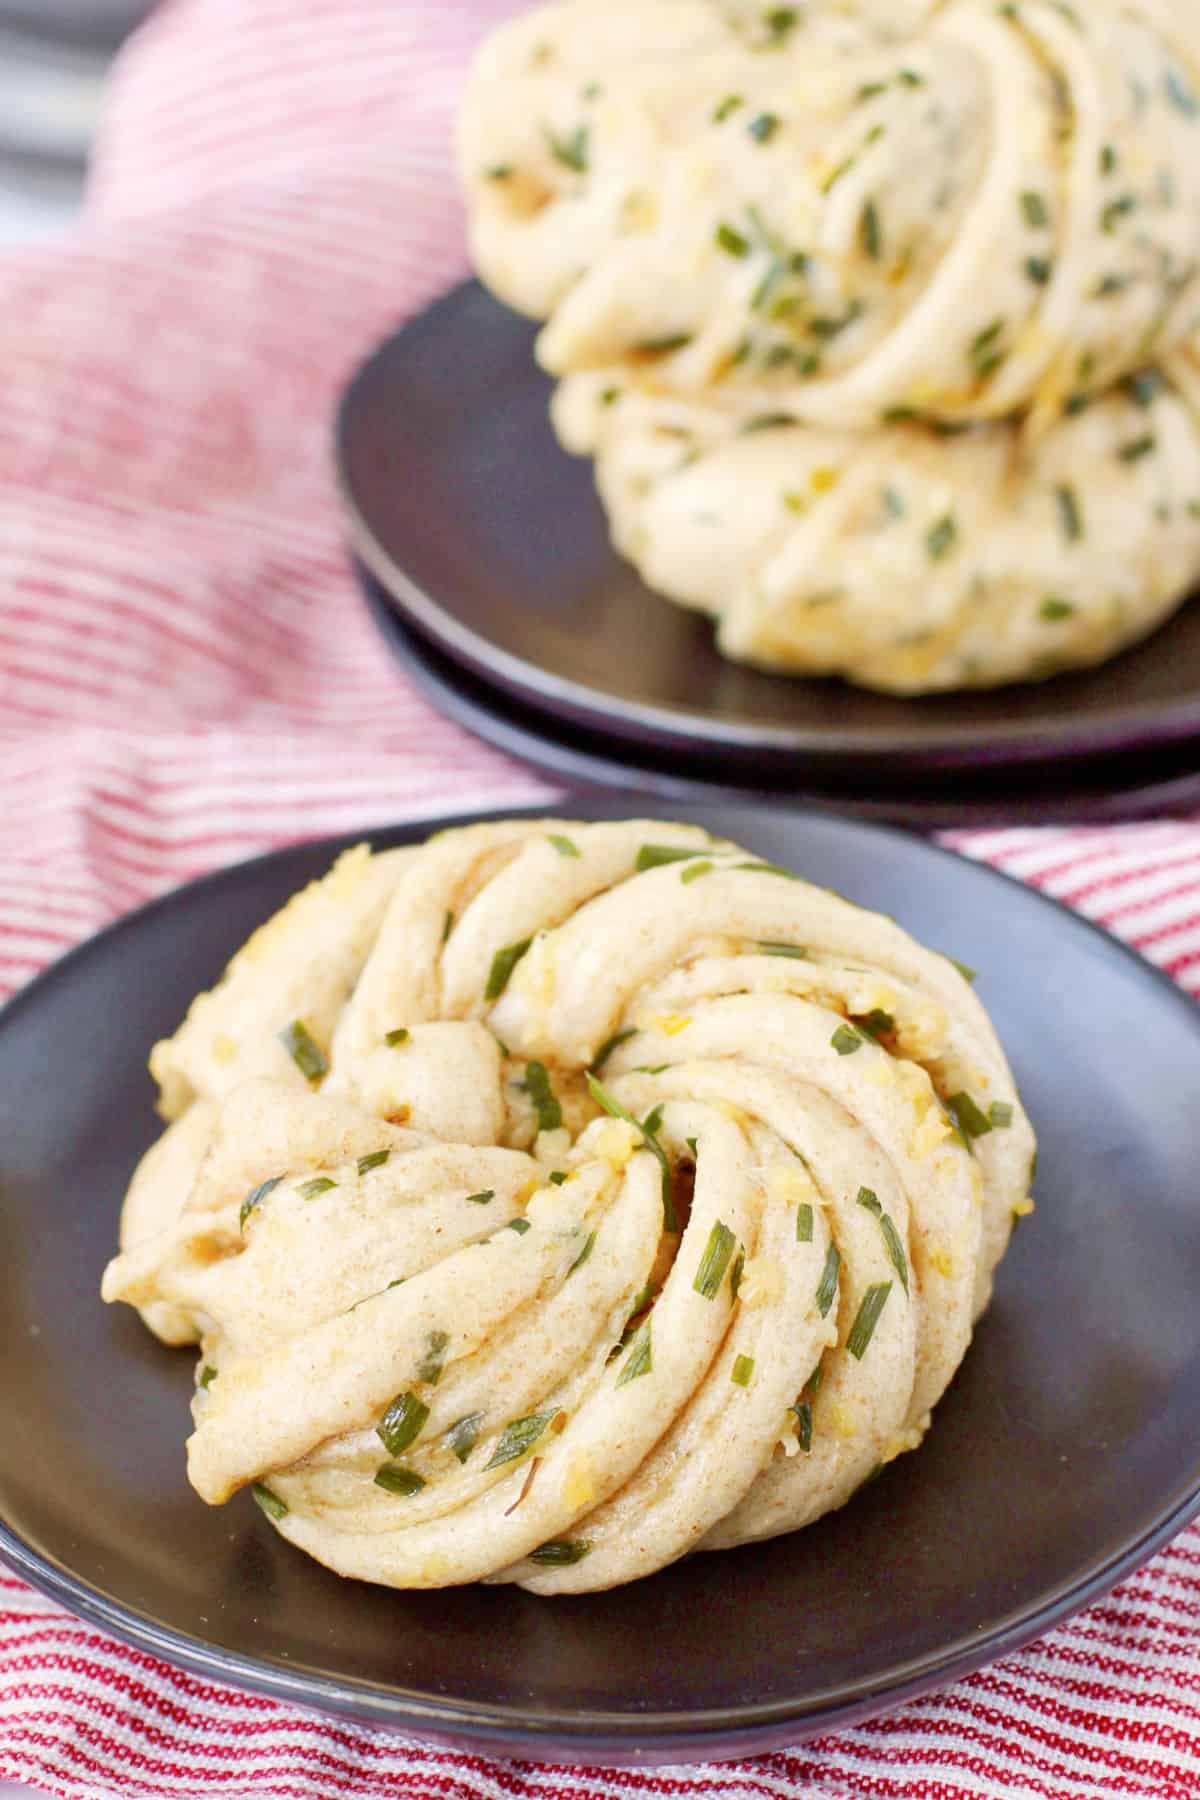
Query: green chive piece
775,421
609,1045
394,1478
894,503
804,1223
780,20
1034,210
640,1360
742,1371
660,346
1134,452
320,1184
652,856
1053,610
561,1553
729,104
429,1369
894,1248
269,1500
715,1261
376,1160
735,1274
304,1051
563,845
694,871
1108,159
910,78
1001,1114
518,1438
649,1131
463,1437
863,1328
731,241
691,1144
869,1199
869,233
939,539
828,1286
503,964
401,1035
571,151
545,1102
403,1421
519,1225
557,1177
499,172
876,1023
588,1245
870,90
970,1118
255,1198
1069,514
1145,386
763,128
804,1422
1039,270
447,925
765,947
766,868
207,1375
964,969
609,396
846,1040
484,1197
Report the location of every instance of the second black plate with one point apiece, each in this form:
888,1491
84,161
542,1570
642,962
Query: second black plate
491,544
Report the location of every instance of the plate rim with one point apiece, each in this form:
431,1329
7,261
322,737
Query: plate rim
1063,737
582,1736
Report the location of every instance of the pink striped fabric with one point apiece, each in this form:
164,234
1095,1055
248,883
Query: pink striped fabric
188,677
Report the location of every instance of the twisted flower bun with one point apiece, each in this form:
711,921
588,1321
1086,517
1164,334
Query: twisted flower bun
555,1199
881,322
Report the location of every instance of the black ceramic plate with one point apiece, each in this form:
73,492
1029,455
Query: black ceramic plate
1149,785
490,542
1067,1449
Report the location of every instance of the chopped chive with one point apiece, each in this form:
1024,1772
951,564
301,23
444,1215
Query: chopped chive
804,1223
894,503
763,128
846,1040
1054,610
894,1248
484,1197
519,1225
780,21
320,1184
1039,270
1074,404
648,1130
986,338
588,1245
964,969
828,1286
766,868
694,871
561,1552
803,1412
1145,386
640,1360
395,1479
863,1328
1069,514
1034,210
255,1198
742,1372
970,1118
691,1144
766,947
609,396
499,172
870,90
869,233
939,539
776,421
1000,1113
429,1369
447,925
728,105
1180,94
269,1500
653,856
731,241
609,1045
1134,452
1116,210
375,1160
563,845
207,1375
715,1261
403,1421
304,1051
401,1035
571,151
503,964
660,346
518,1438
876,1023
735,1274
869,1200
557,1177
1108,159
545,1102
463,1437
910,78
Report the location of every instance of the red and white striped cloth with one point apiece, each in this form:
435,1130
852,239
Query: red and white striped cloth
188,676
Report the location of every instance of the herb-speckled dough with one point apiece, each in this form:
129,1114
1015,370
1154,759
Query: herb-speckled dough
556,1199
879,321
